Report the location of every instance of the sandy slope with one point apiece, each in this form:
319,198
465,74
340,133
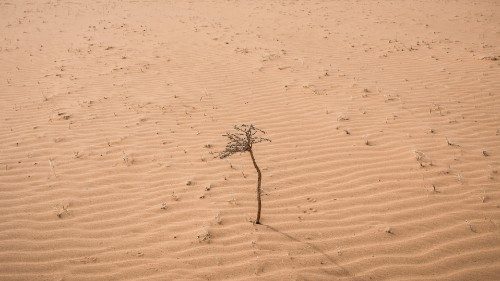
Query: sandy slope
384,117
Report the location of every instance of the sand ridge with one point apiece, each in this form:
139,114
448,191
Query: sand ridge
383,117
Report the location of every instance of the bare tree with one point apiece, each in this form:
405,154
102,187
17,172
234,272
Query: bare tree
242,141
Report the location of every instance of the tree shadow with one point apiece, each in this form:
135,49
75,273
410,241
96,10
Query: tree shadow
339,270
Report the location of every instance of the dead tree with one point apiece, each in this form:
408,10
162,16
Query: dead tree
242,141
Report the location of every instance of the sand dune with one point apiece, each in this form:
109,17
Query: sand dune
383,115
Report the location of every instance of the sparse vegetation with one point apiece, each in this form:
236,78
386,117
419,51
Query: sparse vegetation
422,159
242,141
451,143
204,236
61,210
127,159
389,230
342,117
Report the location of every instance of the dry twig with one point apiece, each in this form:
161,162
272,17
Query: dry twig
242,141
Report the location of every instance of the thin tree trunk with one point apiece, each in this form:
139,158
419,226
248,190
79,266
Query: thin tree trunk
259,180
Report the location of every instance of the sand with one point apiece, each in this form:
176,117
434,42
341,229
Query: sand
383,116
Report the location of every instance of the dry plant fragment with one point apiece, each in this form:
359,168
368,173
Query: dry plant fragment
62,211
175,197
451,143
422,159
483,197
342,117
389,230
52,167
471,227
218,219
242,141
126,159
204,236
492,58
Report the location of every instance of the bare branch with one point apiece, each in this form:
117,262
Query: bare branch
242,140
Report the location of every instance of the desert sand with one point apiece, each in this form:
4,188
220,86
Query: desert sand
383,116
